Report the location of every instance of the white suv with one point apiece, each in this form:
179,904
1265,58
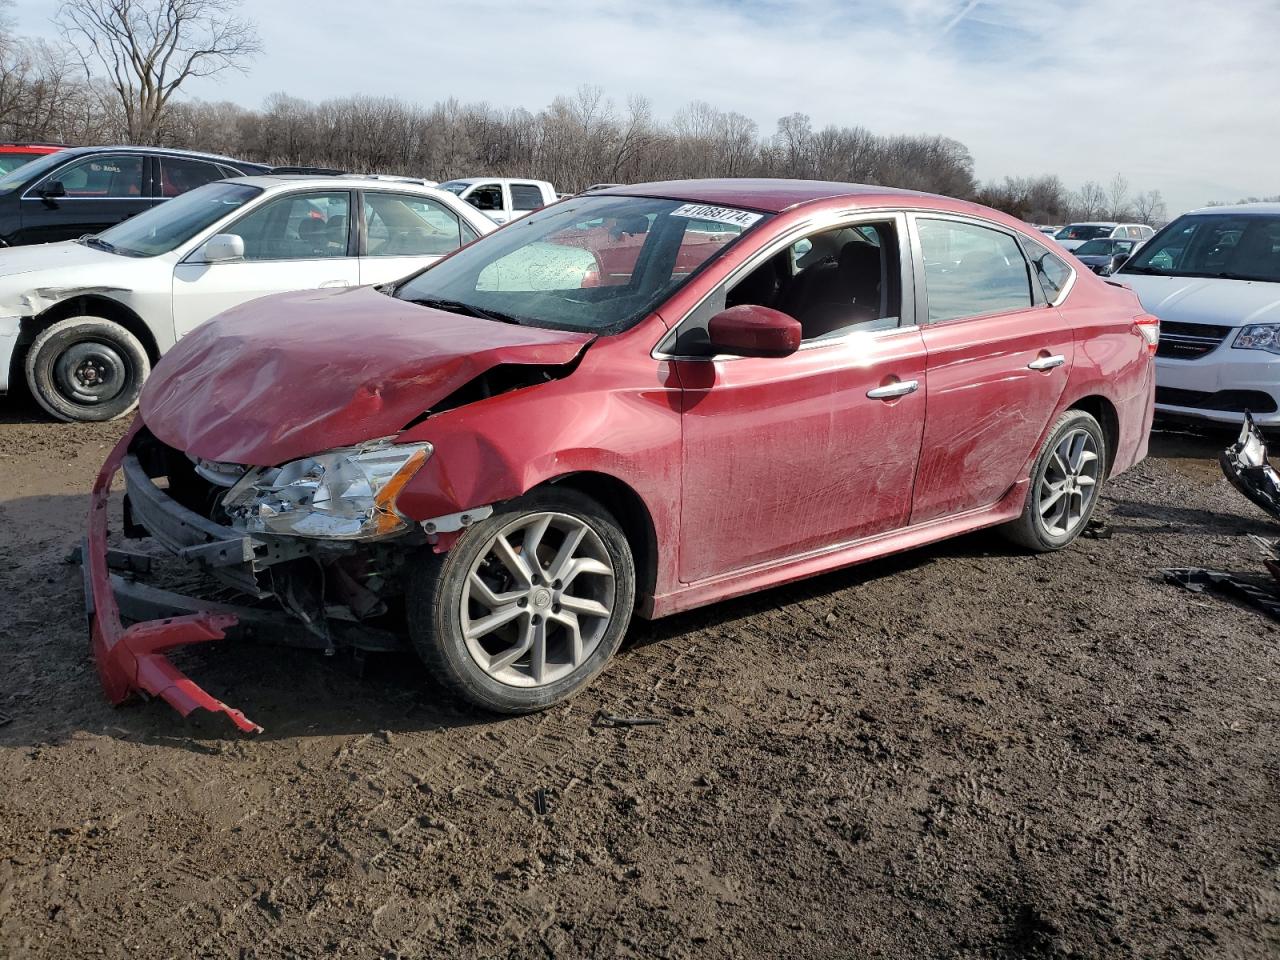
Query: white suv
90,316
1213,278
1075,234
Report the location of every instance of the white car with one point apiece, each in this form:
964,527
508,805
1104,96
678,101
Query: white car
1213,278
503,199
88,317
1075,234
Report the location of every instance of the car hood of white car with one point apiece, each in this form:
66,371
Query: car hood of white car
1227,303
60,266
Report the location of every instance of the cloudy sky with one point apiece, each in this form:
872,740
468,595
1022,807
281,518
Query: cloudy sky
1179,95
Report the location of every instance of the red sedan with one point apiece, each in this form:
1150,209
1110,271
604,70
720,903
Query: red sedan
503,458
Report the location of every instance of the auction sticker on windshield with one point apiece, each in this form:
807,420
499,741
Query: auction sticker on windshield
698,211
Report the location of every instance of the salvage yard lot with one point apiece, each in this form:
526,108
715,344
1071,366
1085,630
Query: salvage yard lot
959,752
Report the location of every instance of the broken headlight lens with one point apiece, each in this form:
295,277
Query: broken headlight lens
1259,336
346,494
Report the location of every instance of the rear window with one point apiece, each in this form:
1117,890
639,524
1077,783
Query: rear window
1228,246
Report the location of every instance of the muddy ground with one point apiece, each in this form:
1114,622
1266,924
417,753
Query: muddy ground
961,752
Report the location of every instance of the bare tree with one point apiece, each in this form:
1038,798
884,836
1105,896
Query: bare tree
1089,201
149,48
1149,207
1118,198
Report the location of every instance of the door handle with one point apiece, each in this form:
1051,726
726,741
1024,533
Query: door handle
899,389
335,283
1047,363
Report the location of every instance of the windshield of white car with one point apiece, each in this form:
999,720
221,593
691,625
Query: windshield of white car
176,221
1222,245
19,176
592,263
1082,231
455,186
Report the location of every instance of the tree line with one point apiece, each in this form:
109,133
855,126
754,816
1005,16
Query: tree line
116,72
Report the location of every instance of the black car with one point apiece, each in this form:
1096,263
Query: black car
81,190
1105,254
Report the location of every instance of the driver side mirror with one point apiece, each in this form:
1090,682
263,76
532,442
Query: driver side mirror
52,191
223,248
749,330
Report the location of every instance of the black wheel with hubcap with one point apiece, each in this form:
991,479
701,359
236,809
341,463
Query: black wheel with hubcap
86,368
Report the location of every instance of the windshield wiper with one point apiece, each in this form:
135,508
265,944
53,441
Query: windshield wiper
457,306
94,241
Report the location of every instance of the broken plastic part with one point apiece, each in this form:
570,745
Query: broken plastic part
1246,466
132,660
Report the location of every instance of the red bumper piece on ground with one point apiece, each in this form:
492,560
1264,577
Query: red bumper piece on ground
132,659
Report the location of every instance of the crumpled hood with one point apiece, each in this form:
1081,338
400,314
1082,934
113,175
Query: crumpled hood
294,374
1229,303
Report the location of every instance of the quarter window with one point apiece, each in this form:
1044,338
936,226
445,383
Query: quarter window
306,226
401,225
1050,269
100,177
525,196
971,270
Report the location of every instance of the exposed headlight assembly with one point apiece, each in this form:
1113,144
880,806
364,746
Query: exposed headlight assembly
346,494
1259,336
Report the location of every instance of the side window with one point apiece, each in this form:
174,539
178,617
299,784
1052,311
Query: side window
487,196
971,270
525,196
834,281
401,225
178,175
297,227
1050,269
468,233
100,177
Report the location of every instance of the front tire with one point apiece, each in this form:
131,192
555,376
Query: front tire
1065,481
86,368
528,606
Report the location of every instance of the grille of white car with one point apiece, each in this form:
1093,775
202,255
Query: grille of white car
1188,341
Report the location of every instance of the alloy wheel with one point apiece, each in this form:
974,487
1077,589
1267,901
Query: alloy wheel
1069,483
538,599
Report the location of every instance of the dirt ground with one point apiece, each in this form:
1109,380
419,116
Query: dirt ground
962,752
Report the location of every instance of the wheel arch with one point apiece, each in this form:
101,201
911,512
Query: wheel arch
631,512
95,305
1104,411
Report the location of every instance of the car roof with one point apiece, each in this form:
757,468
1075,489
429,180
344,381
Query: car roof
1269,209
1094,223
346,181
770,196
159,151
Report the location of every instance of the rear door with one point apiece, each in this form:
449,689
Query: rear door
998,360
297,241
404,232
101,190
177,175
525,198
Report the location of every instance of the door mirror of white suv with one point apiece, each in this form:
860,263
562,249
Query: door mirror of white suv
223,248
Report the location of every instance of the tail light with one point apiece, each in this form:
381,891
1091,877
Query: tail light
1149,327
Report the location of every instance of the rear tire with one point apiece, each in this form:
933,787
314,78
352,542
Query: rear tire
1065,482
514,637
86,368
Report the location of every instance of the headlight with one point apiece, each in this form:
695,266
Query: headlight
1259,336
346,494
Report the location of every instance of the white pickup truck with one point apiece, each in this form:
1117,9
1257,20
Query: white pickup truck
502,198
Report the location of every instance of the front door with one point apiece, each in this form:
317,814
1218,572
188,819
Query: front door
296,242
784,456
99,191
999,358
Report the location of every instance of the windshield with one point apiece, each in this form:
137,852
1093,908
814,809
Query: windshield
594,263
455,186
1103,248
176,221
1082,231
12,161
25,173
1233,246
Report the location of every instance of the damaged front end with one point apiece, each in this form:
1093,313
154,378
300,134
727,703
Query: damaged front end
309,554
1246,466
